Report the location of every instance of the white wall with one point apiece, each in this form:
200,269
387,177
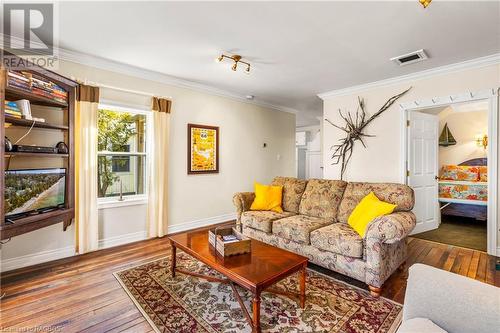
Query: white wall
464,126
194,200
381,161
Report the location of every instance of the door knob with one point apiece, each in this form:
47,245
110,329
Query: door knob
436,177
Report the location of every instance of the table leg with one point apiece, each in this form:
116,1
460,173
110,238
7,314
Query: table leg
256,313
173,263
302,281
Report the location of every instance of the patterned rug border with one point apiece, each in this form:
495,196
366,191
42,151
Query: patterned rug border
132,298
392,329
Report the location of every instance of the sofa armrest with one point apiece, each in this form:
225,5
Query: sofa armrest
391,228
242,201
455,303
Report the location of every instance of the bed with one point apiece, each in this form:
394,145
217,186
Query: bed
463,189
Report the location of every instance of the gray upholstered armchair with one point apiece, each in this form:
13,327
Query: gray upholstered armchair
438,301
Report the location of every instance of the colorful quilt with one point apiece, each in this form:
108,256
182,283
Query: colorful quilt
463,182
463,190
460,172
483,173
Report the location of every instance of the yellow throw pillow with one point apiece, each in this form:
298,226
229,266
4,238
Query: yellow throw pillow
368,208
267,197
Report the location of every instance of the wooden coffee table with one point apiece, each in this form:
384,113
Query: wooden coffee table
255,271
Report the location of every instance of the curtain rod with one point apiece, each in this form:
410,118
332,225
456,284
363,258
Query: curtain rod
101,85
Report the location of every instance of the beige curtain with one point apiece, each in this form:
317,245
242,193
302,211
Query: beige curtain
86,169
157,216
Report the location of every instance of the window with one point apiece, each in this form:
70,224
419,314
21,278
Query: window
122,152
121,163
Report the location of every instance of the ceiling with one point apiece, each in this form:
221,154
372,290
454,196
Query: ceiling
297,49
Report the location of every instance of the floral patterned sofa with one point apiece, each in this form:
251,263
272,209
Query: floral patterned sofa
314,224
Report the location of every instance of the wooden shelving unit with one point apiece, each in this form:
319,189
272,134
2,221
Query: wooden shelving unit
16,93
37,221
66,214
25,154
27,123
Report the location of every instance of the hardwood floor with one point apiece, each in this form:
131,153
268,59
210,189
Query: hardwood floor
80,294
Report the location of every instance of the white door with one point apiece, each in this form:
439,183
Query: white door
423,136
313,165
301,163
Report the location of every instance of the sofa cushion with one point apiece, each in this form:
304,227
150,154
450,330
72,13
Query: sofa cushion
267,197
369,208
338,238
322,198
396,194
419,325
298,227
293,188
262,220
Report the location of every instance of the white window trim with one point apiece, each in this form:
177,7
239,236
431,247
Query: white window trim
128,200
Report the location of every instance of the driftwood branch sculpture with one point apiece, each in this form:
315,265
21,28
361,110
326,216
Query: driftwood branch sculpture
353,128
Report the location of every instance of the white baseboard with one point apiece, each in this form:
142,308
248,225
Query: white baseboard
201,223
141,235
498,251
36,258
122,239
45,256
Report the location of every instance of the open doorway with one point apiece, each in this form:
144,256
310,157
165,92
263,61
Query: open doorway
462,173
449,160
308,152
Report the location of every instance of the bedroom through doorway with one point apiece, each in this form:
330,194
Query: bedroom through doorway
462,178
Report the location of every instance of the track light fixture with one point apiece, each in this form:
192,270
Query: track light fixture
237,60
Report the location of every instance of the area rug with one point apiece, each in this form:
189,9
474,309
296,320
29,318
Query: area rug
189,304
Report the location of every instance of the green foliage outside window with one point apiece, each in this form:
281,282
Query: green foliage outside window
115,129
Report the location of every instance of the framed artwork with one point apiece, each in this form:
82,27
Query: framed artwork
203,149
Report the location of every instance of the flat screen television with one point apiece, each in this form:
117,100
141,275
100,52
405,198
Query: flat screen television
34,190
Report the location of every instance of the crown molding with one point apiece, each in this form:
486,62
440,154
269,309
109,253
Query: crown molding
121,68
138,72
447,69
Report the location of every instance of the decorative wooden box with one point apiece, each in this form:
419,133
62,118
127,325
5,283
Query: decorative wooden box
242,246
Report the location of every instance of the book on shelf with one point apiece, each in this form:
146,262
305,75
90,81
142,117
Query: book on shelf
18,76
11,104
48,86
37,85
13,112
14,116
19,86
20,82
47,93
12,109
